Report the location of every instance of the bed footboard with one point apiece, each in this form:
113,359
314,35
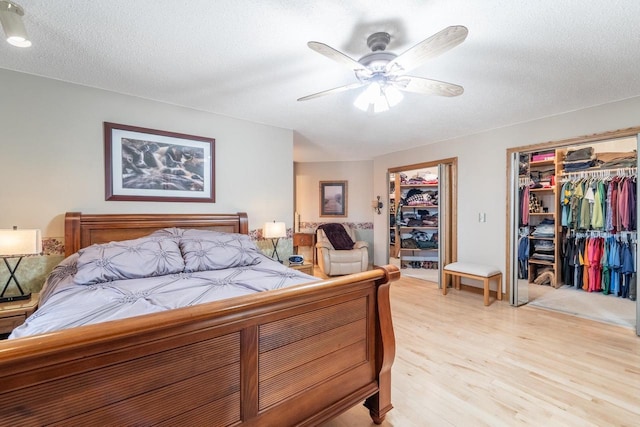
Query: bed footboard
296,356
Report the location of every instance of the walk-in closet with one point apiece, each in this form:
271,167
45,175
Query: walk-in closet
573,227
421,219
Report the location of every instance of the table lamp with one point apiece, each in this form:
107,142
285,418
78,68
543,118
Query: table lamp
16,243
274,231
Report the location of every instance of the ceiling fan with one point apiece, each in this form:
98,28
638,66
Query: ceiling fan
385,72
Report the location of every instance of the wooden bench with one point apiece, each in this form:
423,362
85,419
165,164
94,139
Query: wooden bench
472,271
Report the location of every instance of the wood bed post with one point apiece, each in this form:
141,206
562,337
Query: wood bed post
71,233
244,223
380,403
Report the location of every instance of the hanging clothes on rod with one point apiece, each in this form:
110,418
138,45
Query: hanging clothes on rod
598,214
599,202
601,262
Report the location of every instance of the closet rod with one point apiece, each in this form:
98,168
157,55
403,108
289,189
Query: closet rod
524,181
623,234
603,173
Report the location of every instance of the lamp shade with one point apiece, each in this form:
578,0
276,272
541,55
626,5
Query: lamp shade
20,242
274,230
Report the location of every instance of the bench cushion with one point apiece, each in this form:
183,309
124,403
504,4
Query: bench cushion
472,269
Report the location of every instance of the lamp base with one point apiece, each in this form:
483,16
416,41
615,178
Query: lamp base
275,249
15,298
12,277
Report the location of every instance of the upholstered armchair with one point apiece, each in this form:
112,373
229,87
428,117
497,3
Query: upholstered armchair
335,262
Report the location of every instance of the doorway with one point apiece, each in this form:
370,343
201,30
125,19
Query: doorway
423,218
560,237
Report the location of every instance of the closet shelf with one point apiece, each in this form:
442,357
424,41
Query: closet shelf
542,213
541,238
418,227
542,189
549,162
418,206
541,262
418,185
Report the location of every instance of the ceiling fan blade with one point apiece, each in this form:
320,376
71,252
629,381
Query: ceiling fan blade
338,56
332,91
427,86
435,45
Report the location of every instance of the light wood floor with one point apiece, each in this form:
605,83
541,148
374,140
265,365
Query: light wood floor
459,363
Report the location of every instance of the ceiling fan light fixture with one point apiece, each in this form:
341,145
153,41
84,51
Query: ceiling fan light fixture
361,103
381,105
11,19
393,95
378,98
368,96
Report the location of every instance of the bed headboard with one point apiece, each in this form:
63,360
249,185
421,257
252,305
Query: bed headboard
84,230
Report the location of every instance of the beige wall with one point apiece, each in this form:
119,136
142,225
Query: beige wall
359,187
482,173
52,151
359,177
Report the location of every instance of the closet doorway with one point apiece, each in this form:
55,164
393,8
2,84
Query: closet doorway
572,227
423,218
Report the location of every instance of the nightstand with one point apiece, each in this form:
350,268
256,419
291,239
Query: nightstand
304,240
305,268
14,313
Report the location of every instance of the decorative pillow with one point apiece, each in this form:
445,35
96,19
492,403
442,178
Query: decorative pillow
215,250
169,232
129,259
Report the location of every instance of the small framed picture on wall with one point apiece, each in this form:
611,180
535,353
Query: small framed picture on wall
333,198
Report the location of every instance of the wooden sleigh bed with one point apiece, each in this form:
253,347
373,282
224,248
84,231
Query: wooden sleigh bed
293,356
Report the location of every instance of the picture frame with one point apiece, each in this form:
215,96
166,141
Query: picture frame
157,166
333,198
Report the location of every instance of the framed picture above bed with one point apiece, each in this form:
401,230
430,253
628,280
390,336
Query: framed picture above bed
333,198
157,166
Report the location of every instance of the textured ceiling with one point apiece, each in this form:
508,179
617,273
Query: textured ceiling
249,59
